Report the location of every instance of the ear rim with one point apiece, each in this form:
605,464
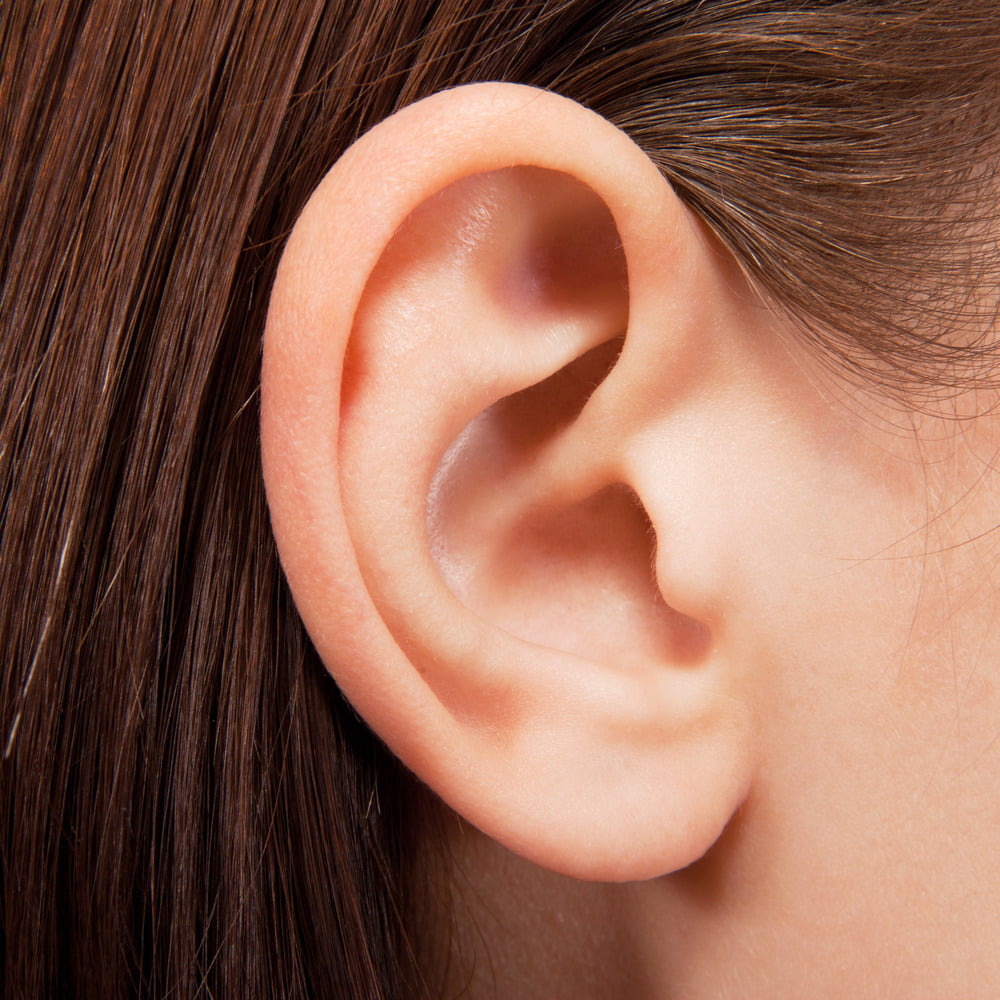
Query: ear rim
494,126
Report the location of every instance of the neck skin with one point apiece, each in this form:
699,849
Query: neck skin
863,862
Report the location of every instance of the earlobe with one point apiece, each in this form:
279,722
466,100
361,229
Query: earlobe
483,318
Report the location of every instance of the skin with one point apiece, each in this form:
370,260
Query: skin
696,622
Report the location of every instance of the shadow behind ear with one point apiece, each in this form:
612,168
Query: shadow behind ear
444,457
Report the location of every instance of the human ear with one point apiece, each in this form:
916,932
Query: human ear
483,479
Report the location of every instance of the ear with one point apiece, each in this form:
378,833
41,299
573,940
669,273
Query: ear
486,327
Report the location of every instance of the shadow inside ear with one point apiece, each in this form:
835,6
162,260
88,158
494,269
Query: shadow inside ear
575,575
536,414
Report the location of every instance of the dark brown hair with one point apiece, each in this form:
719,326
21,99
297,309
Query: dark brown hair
187,806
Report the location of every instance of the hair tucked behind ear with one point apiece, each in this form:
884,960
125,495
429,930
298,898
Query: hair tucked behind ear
188,806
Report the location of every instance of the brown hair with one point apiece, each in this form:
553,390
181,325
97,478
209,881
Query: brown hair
188,806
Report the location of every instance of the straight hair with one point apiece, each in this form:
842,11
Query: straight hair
188,807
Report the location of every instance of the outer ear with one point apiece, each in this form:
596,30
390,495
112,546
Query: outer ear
482,328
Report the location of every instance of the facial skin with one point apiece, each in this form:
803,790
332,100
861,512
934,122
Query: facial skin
632,579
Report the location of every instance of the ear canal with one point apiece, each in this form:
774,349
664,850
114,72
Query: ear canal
570,574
